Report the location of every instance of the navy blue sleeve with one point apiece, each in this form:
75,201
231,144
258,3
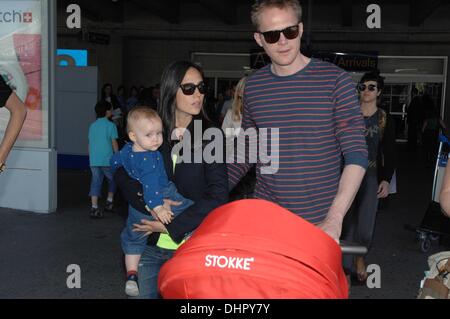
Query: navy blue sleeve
149,179
163,179
388,155
216,194
130,189
115,161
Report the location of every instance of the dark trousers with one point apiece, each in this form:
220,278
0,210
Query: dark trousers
359,223
431,145
412,137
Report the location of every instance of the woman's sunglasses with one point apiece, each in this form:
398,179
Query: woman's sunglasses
274,35
362,87
189,88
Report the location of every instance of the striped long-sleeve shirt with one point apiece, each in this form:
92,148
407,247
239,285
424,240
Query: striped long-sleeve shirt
321,128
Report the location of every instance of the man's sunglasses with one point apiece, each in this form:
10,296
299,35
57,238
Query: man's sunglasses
274,35
189,88
362,87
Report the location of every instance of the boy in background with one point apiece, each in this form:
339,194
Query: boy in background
102,144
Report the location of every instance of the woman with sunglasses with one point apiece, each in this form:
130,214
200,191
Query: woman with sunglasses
181,105
359,223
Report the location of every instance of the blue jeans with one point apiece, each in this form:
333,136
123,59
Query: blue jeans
150,264
97,180
133,243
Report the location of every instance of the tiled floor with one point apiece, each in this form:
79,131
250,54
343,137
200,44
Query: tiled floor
36,250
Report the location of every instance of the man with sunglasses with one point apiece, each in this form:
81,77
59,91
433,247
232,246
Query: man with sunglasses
314,106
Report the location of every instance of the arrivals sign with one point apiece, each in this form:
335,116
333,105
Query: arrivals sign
351,62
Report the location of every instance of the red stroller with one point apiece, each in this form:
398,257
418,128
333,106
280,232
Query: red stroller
254,249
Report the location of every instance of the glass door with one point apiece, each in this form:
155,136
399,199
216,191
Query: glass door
397,100
394,101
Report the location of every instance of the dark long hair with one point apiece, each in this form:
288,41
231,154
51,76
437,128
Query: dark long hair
170,83
114,101
375,76
104,89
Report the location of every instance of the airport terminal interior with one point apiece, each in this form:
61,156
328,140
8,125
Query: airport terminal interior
78,46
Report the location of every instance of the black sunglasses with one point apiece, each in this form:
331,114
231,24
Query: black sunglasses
273,36
362,87
189,88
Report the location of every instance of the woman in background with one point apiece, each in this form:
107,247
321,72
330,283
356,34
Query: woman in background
359,223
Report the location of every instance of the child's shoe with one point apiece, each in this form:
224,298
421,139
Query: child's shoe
109,207
131,286
96,213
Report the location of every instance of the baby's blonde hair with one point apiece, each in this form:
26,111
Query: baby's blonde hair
141,112
238,100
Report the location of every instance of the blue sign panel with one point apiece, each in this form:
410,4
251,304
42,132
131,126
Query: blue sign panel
71,57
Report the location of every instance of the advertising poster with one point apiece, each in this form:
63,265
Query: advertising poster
20,62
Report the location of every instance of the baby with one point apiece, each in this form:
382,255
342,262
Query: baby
143,162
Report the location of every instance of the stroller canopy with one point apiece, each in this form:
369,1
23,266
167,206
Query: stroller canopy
254,249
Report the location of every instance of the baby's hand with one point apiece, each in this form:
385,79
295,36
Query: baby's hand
164,216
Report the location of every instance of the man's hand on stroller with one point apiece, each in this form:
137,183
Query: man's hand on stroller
332,226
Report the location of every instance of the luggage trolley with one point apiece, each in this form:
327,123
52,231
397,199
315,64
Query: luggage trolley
434,223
